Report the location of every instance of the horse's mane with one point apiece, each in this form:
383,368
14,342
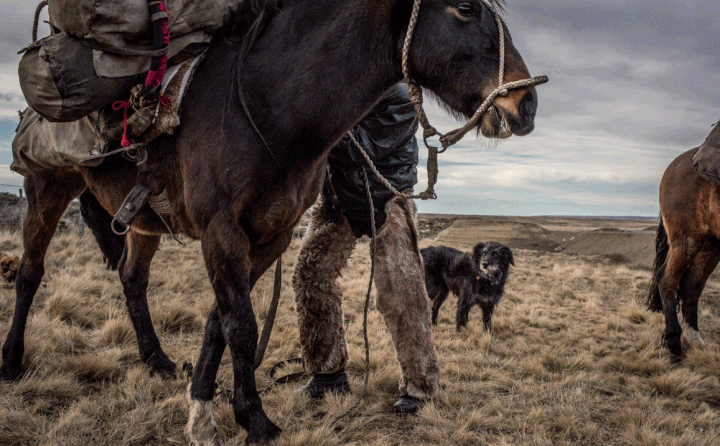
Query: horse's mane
497,5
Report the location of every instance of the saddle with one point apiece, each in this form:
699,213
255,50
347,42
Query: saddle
706,161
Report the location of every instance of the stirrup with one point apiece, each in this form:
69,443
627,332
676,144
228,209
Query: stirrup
134,201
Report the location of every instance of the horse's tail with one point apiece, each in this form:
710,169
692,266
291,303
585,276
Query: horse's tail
653,300
98,220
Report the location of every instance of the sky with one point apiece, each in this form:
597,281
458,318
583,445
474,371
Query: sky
633,84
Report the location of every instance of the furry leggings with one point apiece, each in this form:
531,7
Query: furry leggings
401,296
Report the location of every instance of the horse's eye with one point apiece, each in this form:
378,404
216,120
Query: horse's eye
466,9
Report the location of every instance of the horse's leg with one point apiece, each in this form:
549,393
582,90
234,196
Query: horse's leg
226,249
48,196
99,220
677,263
691,287
201,427
134,270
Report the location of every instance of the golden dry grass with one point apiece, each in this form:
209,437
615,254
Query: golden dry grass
573,359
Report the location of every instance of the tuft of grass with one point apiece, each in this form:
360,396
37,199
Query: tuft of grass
93,368
177,318
116,332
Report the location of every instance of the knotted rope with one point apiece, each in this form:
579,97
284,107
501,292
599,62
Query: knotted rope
452,137
36,19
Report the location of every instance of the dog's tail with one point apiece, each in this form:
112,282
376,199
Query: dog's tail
653,300
98,220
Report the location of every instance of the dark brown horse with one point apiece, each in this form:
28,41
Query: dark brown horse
687,245
314,69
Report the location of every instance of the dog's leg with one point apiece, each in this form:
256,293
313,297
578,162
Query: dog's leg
463,310
438,299
487,316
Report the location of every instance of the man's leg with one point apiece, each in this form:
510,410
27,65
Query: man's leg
326,247
402,300
706,160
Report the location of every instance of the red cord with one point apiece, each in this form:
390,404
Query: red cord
117,105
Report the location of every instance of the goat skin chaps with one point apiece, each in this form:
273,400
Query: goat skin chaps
58,79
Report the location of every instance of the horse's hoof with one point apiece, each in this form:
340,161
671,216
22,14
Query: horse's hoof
693,337
201,427
10,373
675,347
161,364
266,433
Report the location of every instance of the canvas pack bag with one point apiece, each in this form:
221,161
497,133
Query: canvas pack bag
102,46
40,144
59,81
116,27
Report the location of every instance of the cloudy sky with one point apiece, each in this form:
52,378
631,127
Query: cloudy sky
633,83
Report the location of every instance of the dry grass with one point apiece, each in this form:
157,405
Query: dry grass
573,359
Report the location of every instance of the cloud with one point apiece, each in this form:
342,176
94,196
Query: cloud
632,85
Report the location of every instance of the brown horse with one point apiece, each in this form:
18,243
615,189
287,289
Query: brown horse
309,71
687,245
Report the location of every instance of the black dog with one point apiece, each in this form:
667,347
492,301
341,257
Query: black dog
478,278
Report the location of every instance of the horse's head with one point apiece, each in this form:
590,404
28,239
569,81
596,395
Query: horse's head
455,53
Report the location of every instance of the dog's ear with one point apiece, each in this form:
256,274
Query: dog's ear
508,255
477,251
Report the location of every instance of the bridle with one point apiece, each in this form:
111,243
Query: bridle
415,90
453,136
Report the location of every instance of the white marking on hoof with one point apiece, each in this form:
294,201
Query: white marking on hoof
693,336
201,426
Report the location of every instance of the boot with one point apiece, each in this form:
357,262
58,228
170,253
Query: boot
336,382
407,404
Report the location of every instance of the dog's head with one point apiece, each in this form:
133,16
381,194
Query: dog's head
492,261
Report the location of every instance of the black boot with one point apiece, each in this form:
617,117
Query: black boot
336,382
408,404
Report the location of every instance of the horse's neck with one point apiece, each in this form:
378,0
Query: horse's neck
317,69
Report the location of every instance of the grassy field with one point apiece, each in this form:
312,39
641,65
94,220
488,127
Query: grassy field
573,359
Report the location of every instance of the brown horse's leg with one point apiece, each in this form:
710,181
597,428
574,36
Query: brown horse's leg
678,262
691,287
226,251
134,269
48,196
